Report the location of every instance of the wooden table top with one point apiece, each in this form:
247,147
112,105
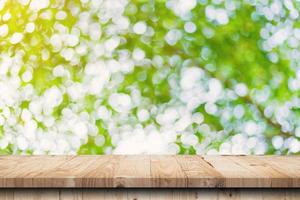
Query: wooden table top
149,171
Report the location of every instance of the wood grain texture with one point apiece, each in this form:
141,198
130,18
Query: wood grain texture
116,171
196,169
167,172
132,171
149,194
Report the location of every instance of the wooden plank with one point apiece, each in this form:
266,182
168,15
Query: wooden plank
102,173
72,171
235,175
105,194
265,175
269,194
115,195
36,194
20,170
166,172
292,194
147,194
199,172
71,194
149,171
133,171
252,194
288,165
92,194
182,195
161,194
139,194
206,194
229,194
252,171
7,194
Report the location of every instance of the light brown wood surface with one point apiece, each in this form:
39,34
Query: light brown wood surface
149,194
115,171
